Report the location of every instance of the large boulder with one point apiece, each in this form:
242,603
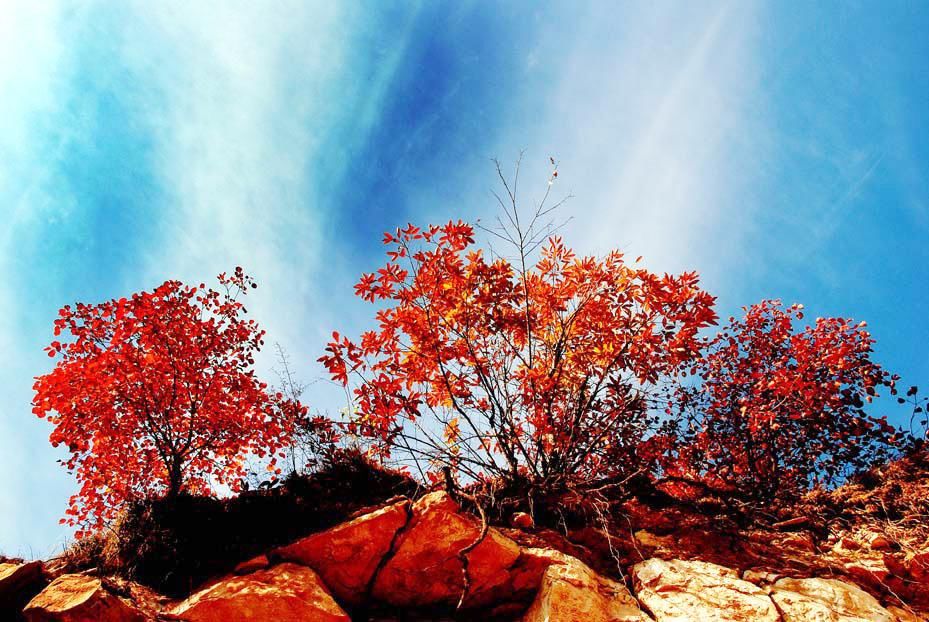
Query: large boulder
571,591
826,600
283,592
426,570
678,591
347,556
19,582
80,598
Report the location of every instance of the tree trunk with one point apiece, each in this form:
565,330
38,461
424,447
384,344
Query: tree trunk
175,479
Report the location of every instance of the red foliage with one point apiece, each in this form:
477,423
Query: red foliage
545,372
780,409
155,394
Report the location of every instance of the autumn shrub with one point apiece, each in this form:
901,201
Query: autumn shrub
154,395
540,368
779,408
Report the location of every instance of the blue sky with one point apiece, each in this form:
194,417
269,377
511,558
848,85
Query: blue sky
780,149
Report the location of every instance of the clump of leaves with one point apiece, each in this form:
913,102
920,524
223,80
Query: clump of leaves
779,409
155,395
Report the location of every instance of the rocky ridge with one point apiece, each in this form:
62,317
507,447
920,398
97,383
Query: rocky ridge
405,561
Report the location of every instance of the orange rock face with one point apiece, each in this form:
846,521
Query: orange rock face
80,598
284,592
347,555
409,555
425,568
902,615
881,542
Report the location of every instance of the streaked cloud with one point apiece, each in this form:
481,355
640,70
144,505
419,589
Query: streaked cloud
652,113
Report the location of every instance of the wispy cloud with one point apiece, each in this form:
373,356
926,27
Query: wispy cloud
652,110
247,109
235,107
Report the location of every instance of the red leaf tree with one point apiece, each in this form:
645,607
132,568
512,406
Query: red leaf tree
779,409
155,395
524,370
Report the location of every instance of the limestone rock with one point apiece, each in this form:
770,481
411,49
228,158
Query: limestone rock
826,600
526,574
647,539
868,570
571,591
676,590
425,568
347,555
18,583
283,592
80,598
801,540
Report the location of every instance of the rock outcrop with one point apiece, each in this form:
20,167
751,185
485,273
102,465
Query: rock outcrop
828,600
430,556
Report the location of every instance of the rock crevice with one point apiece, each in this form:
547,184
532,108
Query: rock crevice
391,550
